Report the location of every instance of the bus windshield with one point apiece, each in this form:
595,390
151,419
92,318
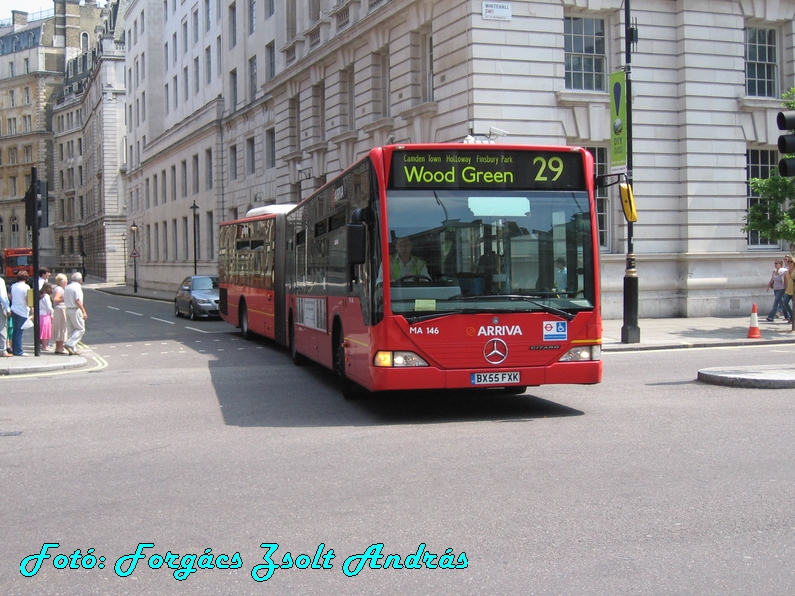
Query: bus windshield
489,251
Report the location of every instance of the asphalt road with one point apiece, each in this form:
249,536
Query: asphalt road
184,436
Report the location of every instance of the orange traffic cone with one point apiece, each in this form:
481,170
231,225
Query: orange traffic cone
753,329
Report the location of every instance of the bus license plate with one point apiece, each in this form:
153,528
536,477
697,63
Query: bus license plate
495,378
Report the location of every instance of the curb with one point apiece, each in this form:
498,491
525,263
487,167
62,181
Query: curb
752,377
35,367
704,344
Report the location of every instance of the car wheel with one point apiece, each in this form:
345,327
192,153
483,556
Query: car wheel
176,309
191,312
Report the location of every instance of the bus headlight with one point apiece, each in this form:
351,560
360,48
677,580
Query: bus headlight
398,359
581,353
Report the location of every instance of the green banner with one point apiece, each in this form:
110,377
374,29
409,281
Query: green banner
618,119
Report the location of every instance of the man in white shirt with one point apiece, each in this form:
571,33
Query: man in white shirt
44,277
76,314
19,310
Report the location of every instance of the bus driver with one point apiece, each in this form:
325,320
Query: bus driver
403,263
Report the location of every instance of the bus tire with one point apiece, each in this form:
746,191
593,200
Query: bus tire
243,320
350,390
298,359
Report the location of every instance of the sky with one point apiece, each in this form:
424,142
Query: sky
32,6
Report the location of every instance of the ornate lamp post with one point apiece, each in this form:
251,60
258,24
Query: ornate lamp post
134,230
194,208
124,252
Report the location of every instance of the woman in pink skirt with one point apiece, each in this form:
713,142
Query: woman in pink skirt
45,315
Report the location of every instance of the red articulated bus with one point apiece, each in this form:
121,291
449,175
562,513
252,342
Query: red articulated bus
429,266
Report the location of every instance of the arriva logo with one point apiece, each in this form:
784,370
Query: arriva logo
492,330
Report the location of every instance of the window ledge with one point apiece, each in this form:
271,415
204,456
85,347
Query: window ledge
294,155
571,97
347,136
380,124
429,107
747,102
319,146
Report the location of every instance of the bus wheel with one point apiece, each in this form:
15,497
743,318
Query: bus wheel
350,390
297,358
515,389
243,321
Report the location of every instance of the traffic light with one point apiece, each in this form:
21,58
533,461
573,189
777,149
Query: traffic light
41,204
36,215
786,143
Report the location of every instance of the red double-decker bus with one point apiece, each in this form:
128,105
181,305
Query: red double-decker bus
429,266
16,260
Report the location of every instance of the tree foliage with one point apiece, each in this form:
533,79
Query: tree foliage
773,216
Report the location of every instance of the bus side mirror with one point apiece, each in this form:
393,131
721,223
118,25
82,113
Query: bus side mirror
356,243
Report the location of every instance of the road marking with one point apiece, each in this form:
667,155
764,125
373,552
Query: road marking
162,320
113,308
137,314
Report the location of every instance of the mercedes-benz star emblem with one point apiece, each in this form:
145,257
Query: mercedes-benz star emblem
495,351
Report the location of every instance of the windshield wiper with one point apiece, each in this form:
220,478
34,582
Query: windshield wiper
545,307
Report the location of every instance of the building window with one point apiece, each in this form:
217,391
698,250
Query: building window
207,20
602,196
252,78
319,111
252,16
382,59
208,220
185,83
185,238
154,190
349,90
584,47
185,37
760,163
232,25
208,169
233,89
196,174
269,8
196,76
270,148
426,66
173,183
251,163
195,22
233,162
270,56
208,65
184,177
760,62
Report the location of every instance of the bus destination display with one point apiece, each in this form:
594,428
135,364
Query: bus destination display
487,169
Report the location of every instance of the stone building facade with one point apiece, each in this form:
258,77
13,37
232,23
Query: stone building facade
89,220
260,101
34,50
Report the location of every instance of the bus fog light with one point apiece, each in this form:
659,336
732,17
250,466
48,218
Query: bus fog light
398,359
582,353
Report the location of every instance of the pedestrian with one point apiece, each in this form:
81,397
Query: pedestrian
19,311
59,313
786,302
778,285
44,277
45,315
5,314
76,314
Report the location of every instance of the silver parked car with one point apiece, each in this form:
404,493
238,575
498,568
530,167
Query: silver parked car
197,296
